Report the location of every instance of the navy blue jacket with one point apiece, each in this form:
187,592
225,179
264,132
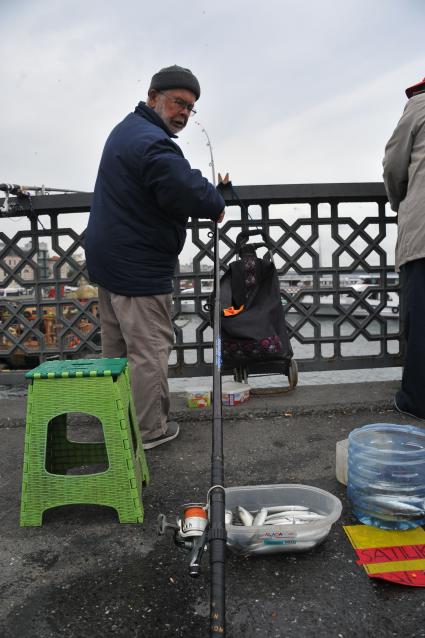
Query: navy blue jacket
144,194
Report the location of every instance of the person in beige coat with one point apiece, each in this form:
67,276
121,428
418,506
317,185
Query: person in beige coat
404,178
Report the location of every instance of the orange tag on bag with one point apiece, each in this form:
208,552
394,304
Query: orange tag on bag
229,312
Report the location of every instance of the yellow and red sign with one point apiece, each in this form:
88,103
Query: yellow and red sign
397,556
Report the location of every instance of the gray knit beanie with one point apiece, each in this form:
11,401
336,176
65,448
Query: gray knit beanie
175,77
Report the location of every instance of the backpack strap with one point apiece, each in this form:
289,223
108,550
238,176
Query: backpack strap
246,275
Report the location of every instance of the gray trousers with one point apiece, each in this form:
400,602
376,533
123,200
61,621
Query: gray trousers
140,329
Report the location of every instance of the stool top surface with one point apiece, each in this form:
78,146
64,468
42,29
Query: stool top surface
70,368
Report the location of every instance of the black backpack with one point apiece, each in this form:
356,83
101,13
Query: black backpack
253,327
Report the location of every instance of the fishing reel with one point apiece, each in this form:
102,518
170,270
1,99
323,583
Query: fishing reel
190,533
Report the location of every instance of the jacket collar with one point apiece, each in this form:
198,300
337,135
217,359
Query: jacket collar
146,112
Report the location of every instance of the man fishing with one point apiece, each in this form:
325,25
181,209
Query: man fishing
145,193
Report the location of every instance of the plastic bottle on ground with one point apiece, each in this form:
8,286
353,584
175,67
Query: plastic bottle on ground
386,475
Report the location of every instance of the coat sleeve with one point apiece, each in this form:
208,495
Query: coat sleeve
397,158
178,189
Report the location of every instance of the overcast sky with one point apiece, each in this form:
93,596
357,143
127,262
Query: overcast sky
292,91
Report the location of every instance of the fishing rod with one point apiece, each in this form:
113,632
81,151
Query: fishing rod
200,527
217,528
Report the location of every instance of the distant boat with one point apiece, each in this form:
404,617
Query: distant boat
12,291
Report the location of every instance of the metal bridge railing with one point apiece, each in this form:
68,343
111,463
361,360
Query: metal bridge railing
333,245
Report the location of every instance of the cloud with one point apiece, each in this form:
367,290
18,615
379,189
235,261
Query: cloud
341,138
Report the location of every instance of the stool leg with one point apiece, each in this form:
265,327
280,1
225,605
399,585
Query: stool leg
31,512
131,515
31,509
139,452
31,519
131,440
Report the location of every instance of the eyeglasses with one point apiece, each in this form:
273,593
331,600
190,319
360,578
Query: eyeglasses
182,104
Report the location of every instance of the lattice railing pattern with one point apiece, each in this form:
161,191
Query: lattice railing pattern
325,239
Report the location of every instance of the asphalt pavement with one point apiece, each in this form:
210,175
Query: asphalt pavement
84,575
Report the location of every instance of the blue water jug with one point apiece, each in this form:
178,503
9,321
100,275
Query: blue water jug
386,475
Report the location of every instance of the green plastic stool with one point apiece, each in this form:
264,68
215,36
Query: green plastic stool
99,387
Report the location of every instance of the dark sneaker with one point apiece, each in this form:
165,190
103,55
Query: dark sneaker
399,409
171,433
